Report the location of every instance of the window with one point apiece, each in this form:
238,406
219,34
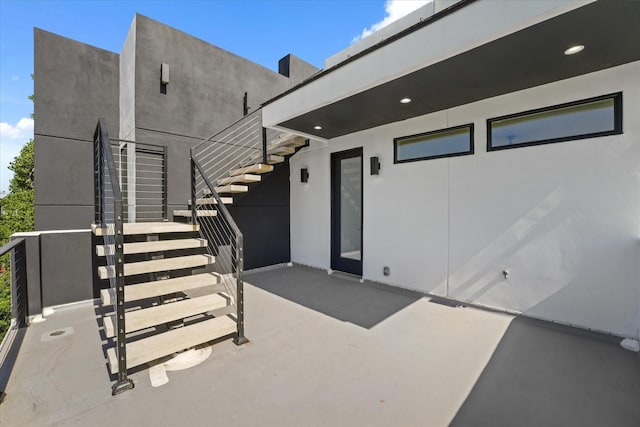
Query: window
456,141
588,118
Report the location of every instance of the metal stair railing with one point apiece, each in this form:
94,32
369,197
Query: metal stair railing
225,241
234,146
109,216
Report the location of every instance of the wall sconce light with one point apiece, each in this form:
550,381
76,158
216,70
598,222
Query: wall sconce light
164,73
375,165
164,78
304,175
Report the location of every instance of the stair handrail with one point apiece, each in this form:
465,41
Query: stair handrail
104,165
225,129
232,146
238,244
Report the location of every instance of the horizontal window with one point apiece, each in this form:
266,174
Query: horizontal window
457,141
588,118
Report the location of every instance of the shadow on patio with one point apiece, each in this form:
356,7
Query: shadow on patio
341,297
546,374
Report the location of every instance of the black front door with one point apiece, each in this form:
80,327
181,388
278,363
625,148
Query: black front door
346,211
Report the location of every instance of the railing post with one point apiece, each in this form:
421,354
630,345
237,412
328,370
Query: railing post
123,383
97,178
194,199
239,267
264,146
105,162
165,186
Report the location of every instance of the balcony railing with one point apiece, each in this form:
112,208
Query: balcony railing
19,299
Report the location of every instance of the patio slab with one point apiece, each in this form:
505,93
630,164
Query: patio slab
330,351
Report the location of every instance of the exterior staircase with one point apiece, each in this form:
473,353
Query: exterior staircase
173,299
176,285
239,179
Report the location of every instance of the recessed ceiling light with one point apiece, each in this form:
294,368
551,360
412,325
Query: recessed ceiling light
317,127
574,49
405,100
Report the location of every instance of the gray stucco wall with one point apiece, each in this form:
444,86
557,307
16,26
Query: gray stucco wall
296,69
74,85
204,95
128,85
206,85
60,268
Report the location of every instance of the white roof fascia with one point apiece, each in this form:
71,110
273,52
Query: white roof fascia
469,27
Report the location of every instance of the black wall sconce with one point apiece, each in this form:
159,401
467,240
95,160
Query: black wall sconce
375,166
304,175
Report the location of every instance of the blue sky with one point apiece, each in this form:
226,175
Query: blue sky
262,31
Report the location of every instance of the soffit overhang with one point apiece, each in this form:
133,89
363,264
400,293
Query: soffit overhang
533,56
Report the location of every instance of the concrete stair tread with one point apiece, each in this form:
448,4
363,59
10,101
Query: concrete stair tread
146,228
258,168
160,345
211,201
288,140
232,188
257,158
165,313
281,150
166,264
158,288
243,178
187,212
155,246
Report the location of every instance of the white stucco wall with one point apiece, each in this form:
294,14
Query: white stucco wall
563,219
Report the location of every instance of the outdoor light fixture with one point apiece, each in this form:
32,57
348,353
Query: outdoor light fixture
405,100
574,49
304,175
164,73
375,165
317,127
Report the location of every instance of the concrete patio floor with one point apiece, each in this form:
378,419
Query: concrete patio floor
330,351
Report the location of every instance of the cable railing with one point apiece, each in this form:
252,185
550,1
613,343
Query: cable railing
142,175
240,144
110,217
18,271
225,240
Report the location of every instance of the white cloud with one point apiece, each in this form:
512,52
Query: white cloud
22,129
12,139
395,9
14,78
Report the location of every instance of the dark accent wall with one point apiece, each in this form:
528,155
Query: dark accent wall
66,265
205,94
263,216
207,84
60,268
74,85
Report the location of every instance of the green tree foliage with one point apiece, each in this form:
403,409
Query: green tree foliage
17,215
23,169
32,97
